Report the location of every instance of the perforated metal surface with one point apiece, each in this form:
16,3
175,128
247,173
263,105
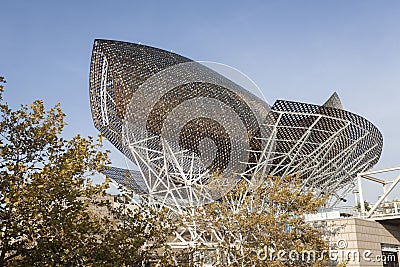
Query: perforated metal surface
327,146
182,124
130,179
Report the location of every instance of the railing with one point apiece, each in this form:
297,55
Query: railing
387,209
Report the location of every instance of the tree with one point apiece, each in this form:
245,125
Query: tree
367,206
50,212
262,226
52,215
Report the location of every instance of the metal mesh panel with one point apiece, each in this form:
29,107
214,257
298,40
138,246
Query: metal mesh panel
182,124
327,146
131,180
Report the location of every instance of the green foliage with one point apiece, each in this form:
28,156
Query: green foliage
52,215
2,80
50,212
367,206
251,221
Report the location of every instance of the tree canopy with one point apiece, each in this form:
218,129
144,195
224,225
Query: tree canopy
51,214
261,224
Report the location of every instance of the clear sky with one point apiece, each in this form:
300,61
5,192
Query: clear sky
294,50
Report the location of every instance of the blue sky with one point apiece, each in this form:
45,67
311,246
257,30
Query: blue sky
294,50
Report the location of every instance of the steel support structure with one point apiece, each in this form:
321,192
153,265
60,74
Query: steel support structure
368,175
193,133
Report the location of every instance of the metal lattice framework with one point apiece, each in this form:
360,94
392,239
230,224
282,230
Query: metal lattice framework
325,144
183,124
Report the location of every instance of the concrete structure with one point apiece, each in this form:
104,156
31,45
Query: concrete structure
361,242
370,235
